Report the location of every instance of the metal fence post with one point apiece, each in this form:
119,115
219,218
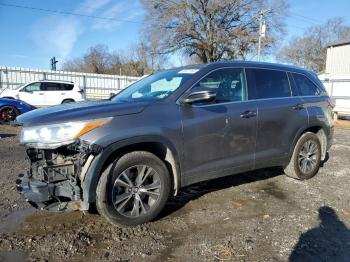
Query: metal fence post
44,75
84,86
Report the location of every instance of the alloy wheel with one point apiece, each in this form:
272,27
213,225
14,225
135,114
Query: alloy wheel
136,190
307,159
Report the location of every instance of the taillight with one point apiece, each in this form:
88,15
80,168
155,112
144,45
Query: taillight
81,91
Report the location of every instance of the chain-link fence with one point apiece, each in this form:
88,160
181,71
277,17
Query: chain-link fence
95,85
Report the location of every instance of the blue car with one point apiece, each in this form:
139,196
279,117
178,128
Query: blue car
11,108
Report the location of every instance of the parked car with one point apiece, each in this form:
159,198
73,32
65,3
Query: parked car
172,129
11,108
46,93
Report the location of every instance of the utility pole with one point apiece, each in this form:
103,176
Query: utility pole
262,29
53,63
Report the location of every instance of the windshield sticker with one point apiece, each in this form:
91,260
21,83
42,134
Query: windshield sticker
188,71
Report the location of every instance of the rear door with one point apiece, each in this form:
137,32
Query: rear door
32,94
55,93
280,115
315,100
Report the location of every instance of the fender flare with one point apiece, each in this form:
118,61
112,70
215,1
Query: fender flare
92,176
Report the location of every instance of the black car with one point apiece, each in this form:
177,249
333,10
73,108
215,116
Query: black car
171,129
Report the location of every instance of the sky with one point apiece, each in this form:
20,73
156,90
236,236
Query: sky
29,38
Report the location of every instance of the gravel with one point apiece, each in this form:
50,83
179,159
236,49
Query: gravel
255,216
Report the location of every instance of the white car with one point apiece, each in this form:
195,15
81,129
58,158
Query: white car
46,93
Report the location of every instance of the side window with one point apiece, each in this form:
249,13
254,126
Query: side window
52,87
33,87
266,83
305,86
66,87
229,84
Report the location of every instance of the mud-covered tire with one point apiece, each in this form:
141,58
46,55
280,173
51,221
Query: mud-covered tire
295,166
106,188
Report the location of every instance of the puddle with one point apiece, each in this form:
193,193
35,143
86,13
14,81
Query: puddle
11,222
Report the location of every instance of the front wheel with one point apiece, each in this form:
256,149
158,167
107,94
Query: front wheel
133,189
8,114
306,158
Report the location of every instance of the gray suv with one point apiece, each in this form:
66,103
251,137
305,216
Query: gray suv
172,129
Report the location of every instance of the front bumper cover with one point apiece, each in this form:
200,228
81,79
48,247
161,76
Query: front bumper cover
55,177
48,196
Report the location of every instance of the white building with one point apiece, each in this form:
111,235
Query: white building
337,76
338,58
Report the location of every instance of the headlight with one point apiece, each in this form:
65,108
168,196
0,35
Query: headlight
53,136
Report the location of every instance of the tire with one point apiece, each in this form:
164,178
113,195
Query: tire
114,191
305,161
68,101
8,114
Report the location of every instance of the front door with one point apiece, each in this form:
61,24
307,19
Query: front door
32,94
219,136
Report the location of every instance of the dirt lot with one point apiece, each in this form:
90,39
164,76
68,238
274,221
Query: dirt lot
256,216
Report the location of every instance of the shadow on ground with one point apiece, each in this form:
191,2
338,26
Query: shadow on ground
197,190
330,241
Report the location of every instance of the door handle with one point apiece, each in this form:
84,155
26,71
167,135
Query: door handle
298,107
248,114
41,94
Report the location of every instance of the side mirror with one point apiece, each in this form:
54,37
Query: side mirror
199,96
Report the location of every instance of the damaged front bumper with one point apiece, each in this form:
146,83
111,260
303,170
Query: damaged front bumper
54,180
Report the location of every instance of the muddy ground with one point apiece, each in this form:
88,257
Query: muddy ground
257,216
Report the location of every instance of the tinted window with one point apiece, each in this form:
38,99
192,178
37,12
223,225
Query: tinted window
66,87
229,84
52,86
33,87
265,83
305,86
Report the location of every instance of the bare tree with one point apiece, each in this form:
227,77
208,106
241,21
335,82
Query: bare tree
310,50
96,60
139,60
213,30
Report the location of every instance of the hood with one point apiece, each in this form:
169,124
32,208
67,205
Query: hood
79,111
8,92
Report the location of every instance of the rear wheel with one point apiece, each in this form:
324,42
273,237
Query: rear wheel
133,189
8,114
306,158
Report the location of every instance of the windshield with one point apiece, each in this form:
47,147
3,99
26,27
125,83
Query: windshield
18,87
155,87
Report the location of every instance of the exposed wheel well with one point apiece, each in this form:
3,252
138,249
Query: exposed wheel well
318,130
68,100
9,97
160,150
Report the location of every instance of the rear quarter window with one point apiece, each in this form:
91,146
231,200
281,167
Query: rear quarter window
266,83
305,86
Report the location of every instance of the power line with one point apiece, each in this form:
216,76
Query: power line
307,18
69,13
